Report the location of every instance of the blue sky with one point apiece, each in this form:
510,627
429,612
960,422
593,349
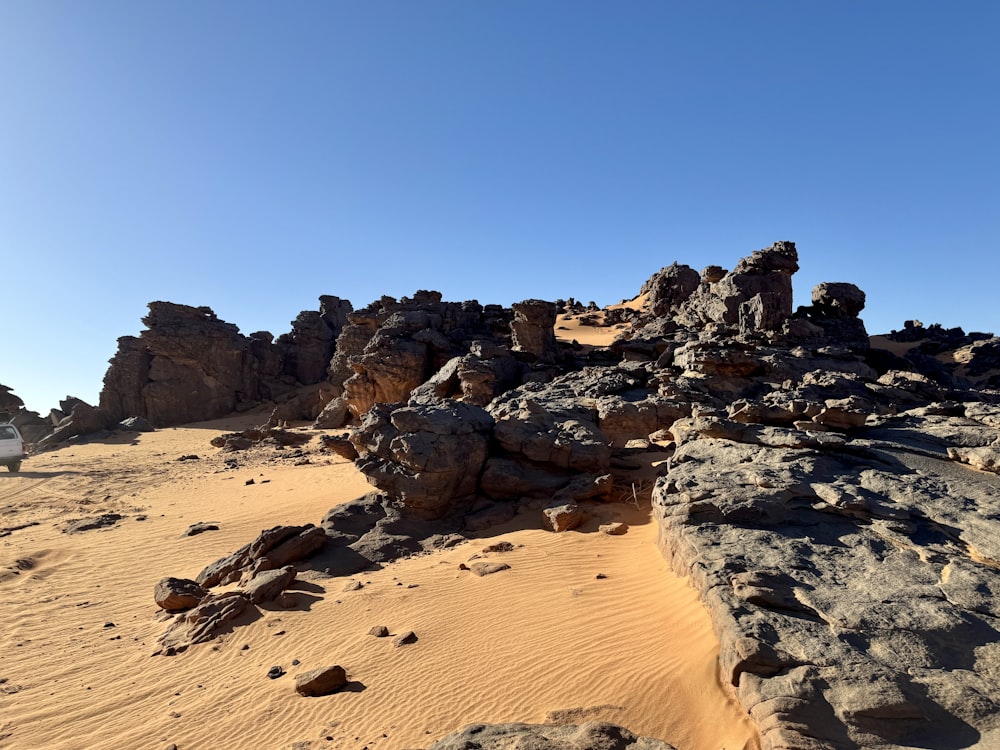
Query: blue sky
252,156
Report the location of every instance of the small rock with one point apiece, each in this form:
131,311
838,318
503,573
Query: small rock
322,681
200,527
614,529
353,586
498,547
275,672
406,638
249,482
379,631
486,568
564,517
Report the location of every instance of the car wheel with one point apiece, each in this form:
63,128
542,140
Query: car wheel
16,466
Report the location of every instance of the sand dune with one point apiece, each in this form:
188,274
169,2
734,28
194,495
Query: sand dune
546,640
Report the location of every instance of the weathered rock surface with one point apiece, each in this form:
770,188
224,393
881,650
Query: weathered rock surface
273,548
267,585
428,453
590,736
851,583
203,623
533,329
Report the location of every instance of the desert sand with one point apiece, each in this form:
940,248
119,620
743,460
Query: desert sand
582,626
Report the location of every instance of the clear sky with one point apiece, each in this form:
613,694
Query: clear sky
251,156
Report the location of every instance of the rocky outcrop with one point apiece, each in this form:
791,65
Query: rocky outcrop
835,505
187,366
533,329
590,736
390,348
754,297
428,454
9,404
308,348
83,420
849,580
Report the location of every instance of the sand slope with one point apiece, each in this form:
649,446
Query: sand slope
544,641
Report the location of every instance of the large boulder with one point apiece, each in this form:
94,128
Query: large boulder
428,453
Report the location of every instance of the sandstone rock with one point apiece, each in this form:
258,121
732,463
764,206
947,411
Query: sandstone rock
614,529
82,420
177,594
188,366
488,568
269,584
668,288
379,631
590,736
805,558
321,681
428,454
280,544
564,517
204,622
341,446
985,458
102,521
135,424
405,639
755,296
838,299
533,329
9,404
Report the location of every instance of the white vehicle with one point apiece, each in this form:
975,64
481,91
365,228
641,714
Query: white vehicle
11,447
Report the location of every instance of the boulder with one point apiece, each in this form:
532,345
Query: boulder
321,681
428,453
178,594
268,585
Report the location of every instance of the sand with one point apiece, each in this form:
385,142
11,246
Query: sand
589,330
546,640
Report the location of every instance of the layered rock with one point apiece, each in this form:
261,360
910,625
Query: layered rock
187,366
851,593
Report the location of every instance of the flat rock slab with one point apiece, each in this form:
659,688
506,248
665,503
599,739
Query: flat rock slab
488,568
855,590
89,524
589,736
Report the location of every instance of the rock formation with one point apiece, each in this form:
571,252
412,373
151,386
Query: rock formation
834,503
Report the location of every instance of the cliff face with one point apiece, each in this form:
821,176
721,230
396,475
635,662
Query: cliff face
187,366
